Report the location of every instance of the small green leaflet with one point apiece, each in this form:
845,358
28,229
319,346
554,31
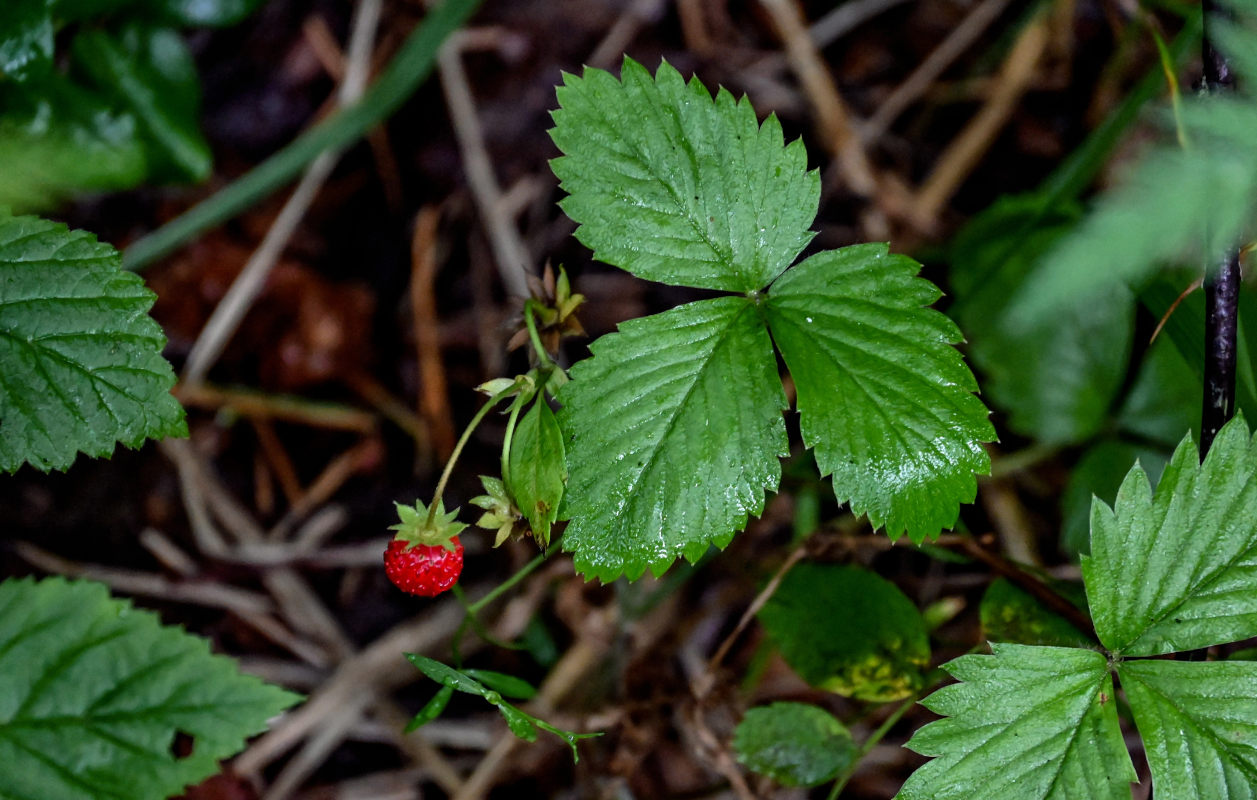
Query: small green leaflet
1177,570
849,631
884,399
93,693
1169,570
795,744
672,187
674,434
1026,722
674,426
80,360
1199,725
537,469
521,724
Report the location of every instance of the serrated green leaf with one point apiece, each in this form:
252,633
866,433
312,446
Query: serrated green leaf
848,630
58,139
884,398
1198,722
674,433
538,470
1032,723
93,693
795,744
25,38
1056,378
80,361
1175,570
1009,614
1098,474
674,187
150,72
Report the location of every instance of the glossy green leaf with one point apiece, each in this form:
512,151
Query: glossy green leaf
674,433
1032,723
1009,614
1099,473
508,685
81,364
795,744
149,72
1176,569
848,630
1056,378
537,469
58,139
93,693
522,724
432,709
1198,722
884,398
674,187
25,38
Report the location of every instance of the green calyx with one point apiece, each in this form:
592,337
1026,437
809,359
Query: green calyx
420,525
500,512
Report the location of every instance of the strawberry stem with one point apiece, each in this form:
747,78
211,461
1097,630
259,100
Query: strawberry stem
462,442
510,434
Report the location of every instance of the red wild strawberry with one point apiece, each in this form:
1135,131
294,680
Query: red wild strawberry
426,557
423,569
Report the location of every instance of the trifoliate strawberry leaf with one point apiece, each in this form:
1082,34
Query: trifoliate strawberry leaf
80,361
674,430
1027,722
884,399
93,694
537,471
1198,723
795,744
674,187
1174,570
849,631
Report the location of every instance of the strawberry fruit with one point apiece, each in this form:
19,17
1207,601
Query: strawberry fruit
421,569
426,557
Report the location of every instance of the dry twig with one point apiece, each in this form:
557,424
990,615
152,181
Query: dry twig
965,151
